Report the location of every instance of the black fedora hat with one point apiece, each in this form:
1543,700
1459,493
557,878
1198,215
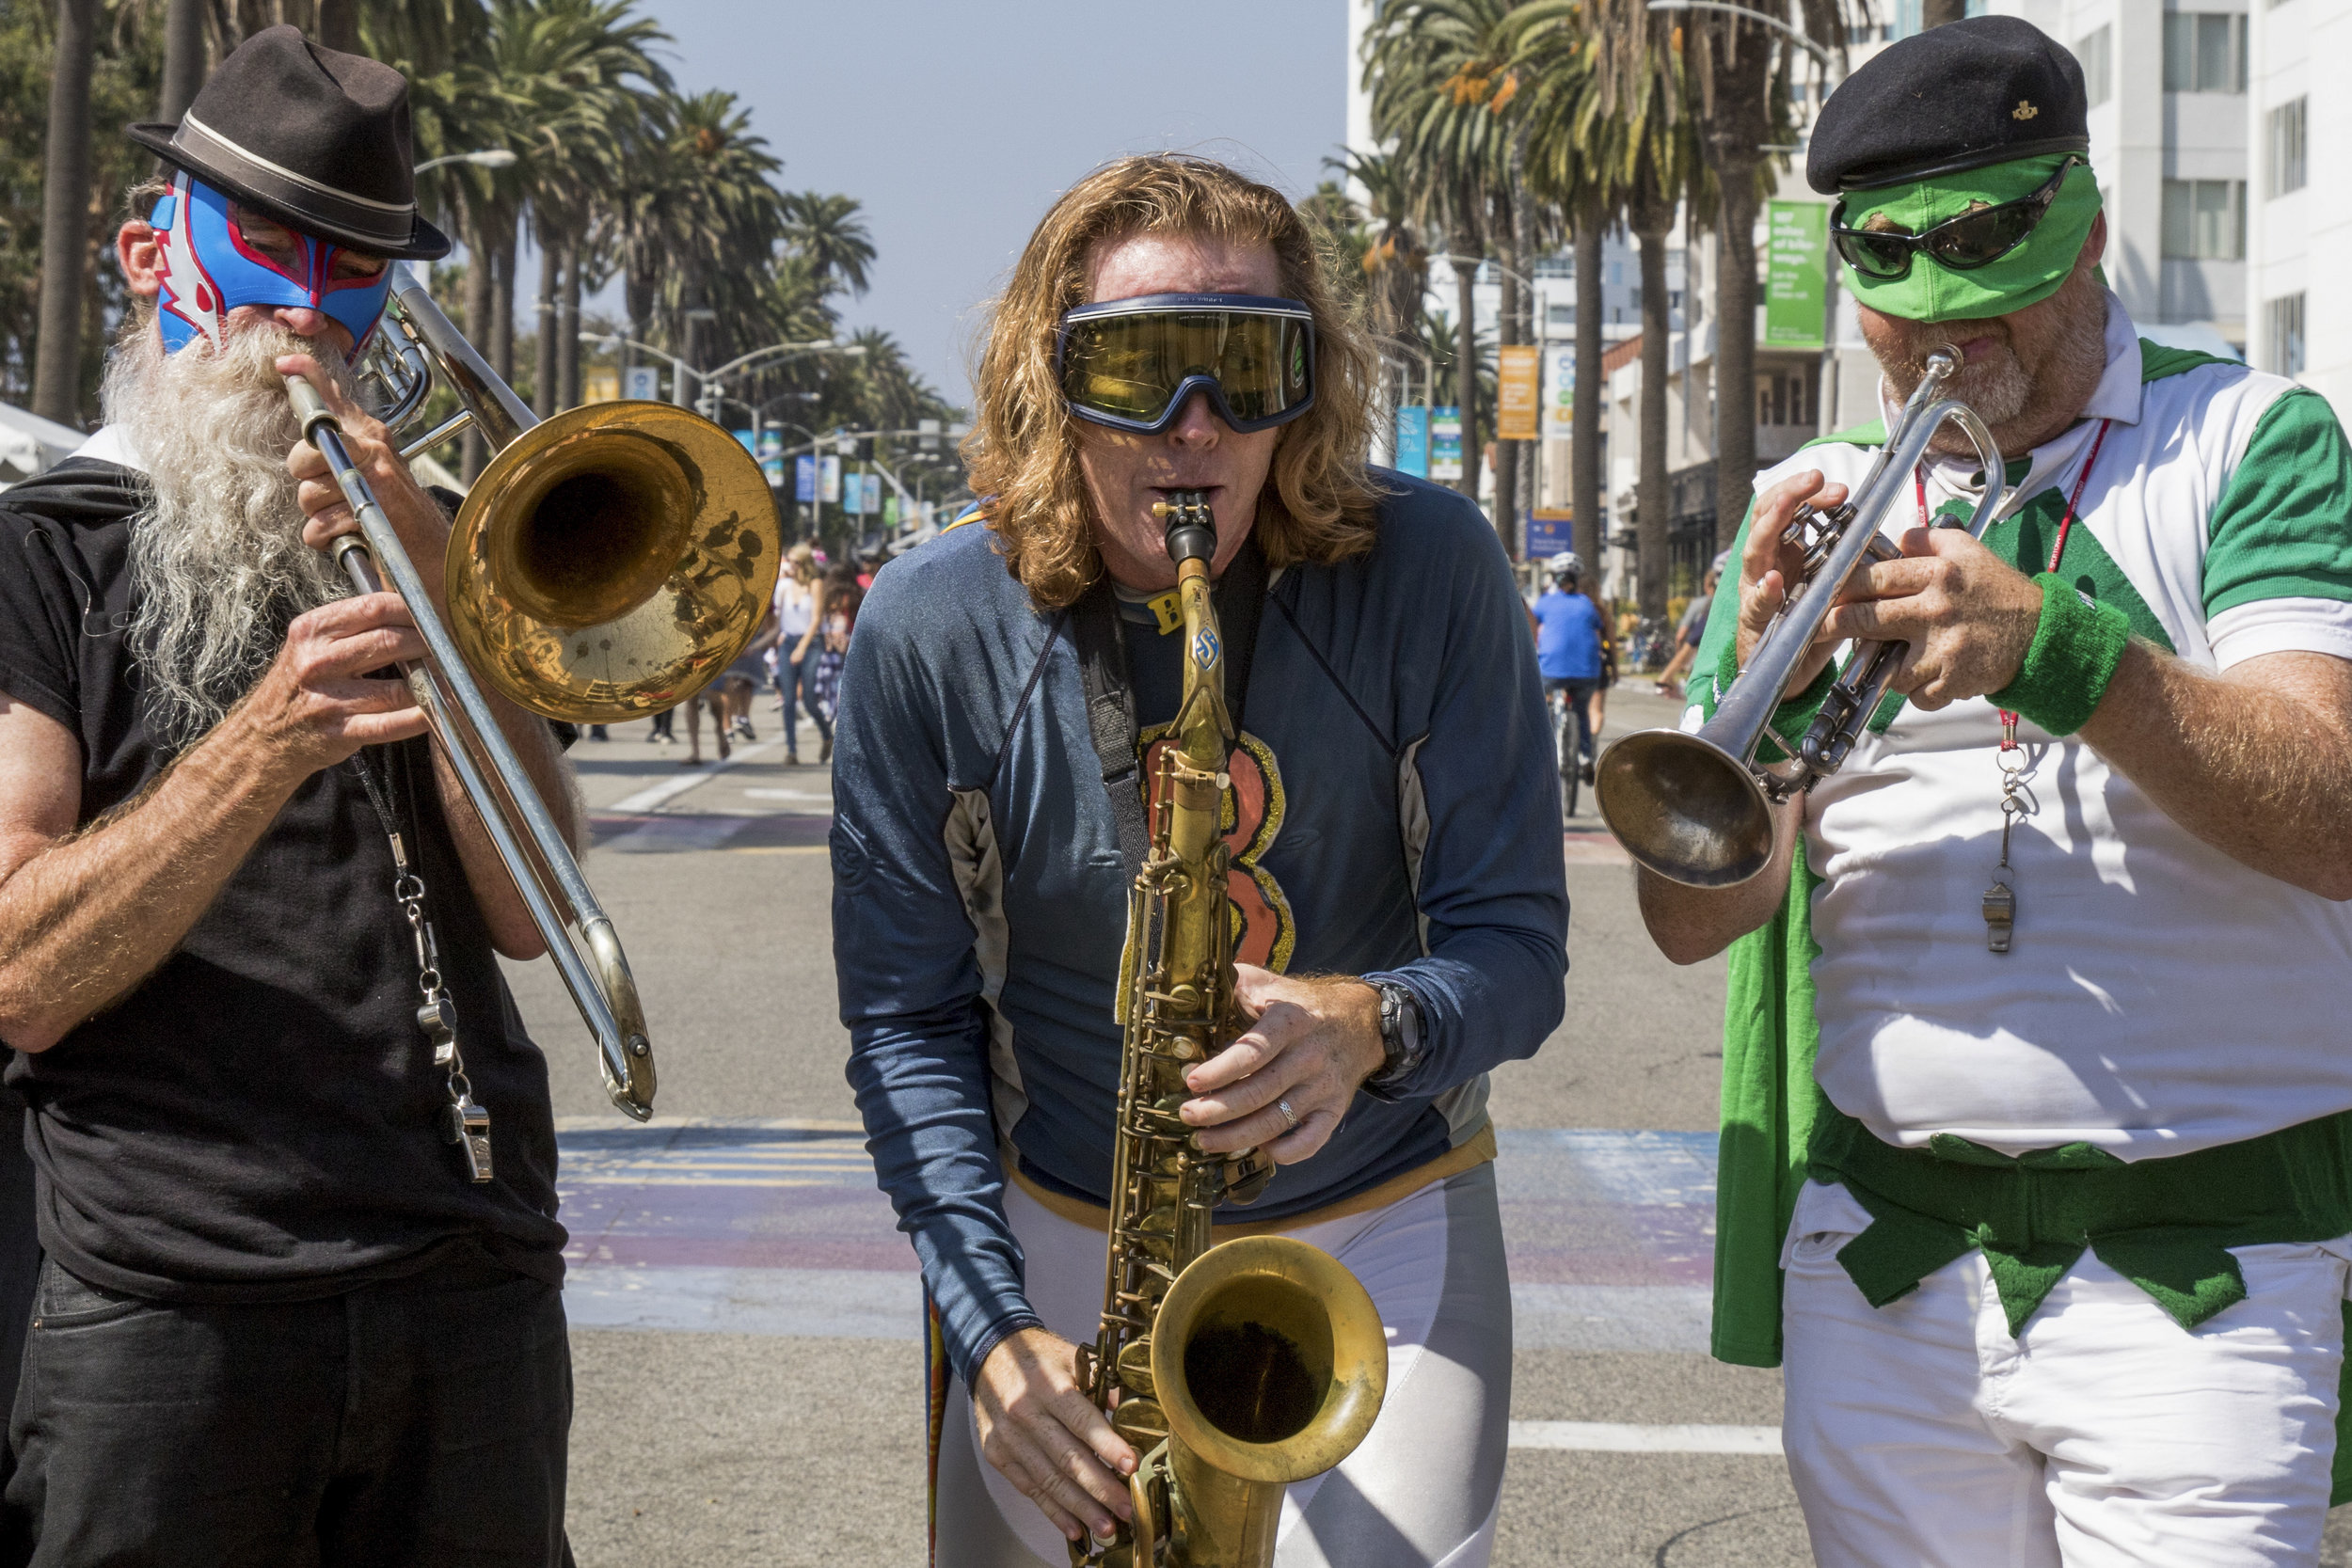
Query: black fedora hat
315,138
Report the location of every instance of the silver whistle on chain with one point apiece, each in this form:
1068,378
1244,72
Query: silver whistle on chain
2000,899
464,1122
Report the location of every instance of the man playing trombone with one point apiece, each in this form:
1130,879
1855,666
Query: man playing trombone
2065,1283
285,1316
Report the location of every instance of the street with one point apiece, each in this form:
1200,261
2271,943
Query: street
746,1323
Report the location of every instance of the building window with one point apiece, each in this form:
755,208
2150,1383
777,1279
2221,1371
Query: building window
2097,55
1561,315
2205,221
2204,52
2287,335
1785,398
2289,128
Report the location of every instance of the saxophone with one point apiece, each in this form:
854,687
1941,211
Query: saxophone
1236,1369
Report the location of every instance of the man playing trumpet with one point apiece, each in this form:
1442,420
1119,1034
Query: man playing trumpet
2066,1282
282,1319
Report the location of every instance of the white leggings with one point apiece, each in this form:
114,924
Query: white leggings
1420,1492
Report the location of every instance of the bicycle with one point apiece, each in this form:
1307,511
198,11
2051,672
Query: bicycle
1564,744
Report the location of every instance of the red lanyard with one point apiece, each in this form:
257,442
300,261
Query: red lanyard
2057,550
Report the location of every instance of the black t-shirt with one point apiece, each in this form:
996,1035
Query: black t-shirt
260,1120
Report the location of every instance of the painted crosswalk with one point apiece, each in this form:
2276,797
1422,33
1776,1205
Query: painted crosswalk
776,1227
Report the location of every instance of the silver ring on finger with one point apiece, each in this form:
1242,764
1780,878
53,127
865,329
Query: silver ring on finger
1290,1117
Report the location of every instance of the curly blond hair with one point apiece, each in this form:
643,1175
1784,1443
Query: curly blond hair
1023,451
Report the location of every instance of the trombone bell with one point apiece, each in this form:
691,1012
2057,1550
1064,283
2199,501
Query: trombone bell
610,561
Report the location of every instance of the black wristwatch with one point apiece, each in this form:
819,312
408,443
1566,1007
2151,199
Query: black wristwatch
1401,1040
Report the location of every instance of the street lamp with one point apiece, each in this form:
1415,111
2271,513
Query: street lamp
1745,13
490,157
614,339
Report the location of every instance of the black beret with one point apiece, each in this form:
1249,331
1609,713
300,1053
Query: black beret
1956,97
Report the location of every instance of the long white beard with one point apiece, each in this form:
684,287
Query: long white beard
218,568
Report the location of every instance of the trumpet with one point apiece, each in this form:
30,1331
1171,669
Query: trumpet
1695,807
610,561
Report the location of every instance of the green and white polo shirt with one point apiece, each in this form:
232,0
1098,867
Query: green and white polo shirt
2159,997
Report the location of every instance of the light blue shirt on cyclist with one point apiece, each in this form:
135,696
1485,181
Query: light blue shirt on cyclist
1567,636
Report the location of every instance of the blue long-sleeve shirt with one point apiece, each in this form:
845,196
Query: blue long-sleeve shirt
1397,814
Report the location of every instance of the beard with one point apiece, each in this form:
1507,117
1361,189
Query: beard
218,568
2001,385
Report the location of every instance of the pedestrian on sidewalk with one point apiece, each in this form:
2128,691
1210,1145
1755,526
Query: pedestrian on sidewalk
827,643
1688,632
1383,688
2038,1175
796,612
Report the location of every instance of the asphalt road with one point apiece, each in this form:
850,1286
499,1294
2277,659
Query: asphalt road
717,1449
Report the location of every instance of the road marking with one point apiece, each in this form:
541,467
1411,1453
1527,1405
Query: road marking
1618,1438
801,795
654,797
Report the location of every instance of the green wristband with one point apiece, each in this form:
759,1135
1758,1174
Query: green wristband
2073,656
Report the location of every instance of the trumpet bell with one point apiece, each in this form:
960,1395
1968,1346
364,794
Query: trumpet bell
611,561
1684,807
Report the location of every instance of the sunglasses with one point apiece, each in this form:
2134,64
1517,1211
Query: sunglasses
1962,244
1131,364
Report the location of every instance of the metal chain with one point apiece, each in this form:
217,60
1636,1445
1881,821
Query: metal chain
466,1123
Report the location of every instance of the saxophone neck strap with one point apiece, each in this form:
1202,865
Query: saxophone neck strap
1102,650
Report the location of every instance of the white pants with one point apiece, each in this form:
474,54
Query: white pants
2105,1435
1421,1489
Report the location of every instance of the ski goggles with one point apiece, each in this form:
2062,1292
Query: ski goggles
1962,244
1131,364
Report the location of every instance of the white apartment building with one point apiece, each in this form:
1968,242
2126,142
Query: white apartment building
2298,137
2167,81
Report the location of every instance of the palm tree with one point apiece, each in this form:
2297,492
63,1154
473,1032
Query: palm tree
1438,85
1613,136
1570,166
573,62
1395,265
64,238
1740,70
830,237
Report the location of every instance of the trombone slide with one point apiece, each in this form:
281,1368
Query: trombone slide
542,867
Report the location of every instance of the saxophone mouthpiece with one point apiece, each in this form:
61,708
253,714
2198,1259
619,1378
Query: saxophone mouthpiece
1191,527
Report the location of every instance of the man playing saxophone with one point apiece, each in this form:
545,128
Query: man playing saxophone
2057,963
1395,878
284,1318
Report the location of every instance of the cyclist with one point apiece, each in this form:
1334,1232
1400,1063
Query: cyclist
1567,652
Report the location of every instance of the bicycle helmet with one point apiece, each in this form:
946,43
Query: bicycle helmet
1568,564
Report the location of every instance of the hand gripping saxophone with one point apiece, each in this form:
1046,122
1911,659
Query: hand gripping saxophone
1236,1369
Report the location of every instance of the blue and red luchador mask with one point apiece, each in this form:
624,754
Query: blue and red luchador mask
209,268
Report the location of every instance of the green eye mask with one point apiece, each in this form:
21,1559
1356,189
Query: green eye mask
2027,275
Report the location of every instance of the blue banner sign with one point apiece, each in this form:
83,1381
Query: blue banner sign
1412,441
804,478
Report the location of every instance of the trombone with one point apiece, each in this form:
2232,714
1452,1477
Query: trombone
1696,807
609,563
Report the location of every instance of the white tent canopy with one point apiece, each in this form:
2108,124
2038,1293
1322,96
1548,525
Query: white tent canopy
30,444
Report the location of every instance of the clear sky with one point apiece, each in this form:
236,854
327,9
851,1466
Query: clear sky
956,121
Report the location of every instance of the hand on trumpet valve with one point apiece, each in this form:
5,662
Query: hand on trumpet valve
1968,615
414,515
1773,564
